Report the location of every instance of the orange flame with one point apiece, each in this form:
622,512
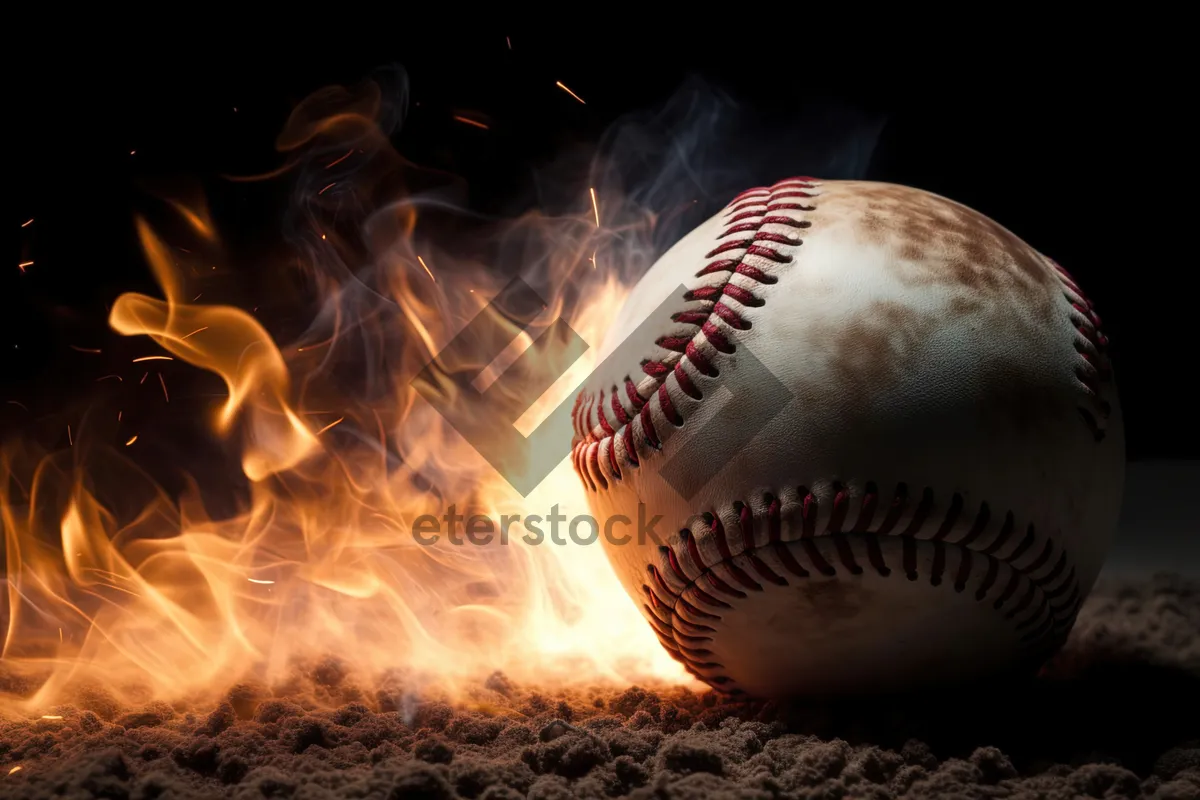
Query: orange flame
154,598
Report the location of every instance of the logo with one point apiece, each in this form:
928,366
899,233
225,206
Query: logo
487,418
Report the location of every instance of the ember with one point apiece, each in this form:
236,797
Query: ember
166,603
289,634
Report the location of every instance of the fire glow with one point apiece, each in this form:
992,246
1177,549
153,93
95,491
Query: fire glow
165,601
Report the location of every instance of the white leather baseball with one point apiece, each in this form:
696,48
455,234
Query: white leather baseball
937,494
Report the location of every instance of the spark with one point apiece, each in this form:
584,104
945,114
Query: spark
70,439
426,268
563,86
595,206
330,425
322,236
193,333
24,264
18,403
144,376
197,297
470,121
508,41
27,223
95,350
337,161
133,152
132,440
153,358
60,635
163,382
593,260
17,768
119,415
327,188
259,580
52,716
106,377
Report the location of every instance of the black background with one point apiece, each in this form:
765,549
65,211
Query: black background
1047,142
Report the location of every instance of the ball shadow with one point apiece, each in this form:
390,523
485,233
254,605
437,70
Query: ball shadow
1103,707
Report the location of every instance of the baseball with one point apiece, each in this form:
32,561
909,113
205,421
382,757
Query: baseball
880,434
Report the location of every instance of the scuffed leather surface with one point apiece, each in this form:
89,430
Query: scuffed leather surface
922,343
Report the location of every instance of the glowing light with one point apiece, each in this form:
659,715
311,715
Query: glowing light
469,121
331,517
595,206
330,425
426,268
27,223
339,160
563,86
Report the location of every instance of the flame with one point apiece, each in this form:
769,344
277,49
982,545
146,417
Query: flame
113,581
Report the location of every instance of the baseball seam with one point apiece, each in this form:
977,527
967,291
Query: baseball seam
752,255
687,593
1093,370
749,212
1043,591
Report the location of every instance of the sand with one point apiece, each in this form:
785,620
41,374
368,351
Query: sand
1106,718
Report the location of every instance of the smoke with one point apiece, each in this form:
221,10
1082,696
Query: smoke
683,161
656,173
401,261
341,453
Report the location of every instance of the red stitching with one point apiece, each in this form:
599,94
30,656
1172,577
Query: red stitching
1093,370
746,214
1047,624
1043,625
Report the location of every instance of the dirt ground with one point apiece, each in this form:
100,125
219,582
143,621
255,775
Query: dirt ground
1106,718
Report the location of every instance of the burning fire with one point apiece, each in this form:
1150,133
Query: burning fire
111,581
